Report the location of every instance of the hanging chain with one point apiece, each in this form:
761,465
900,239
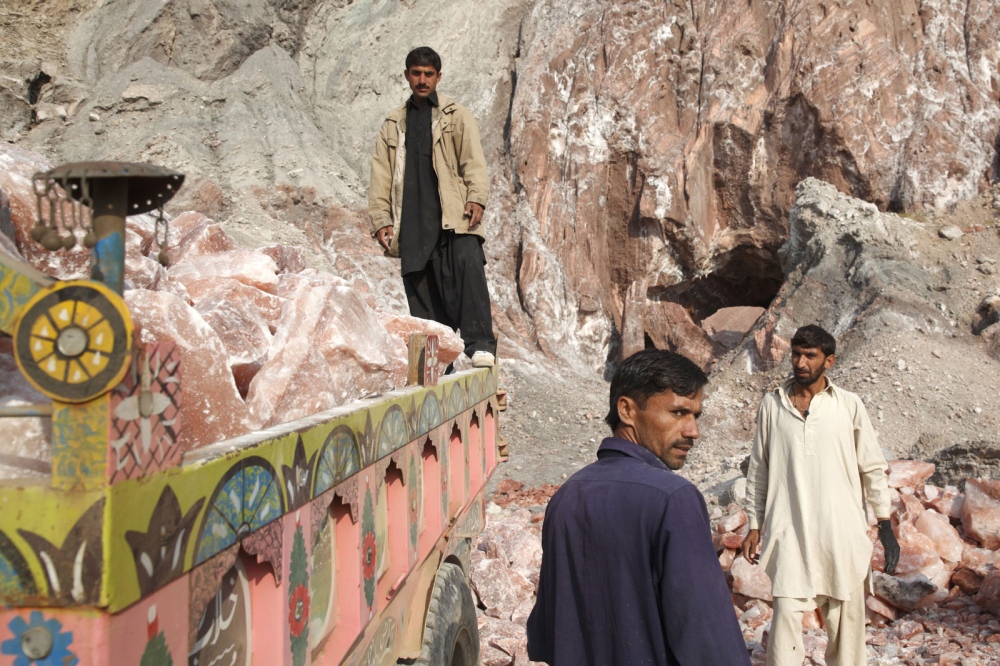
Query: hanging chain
39,230
69,240
86,203
161,221
51,240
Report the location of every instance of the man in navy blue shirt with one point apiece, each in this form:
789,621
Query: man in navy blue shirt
629,576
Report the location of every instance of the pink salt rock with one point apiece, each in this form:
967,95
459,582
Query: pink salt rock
988,596
213,409
496,589
907,629
524,550
727,557
175,288
878,606
750,580
141,272
735,539
289,258
450,345
949,503
144,228
939,579
670,327
329,349
243,330
967,580
262,304
980,560
981,512
728,326
500,641
194,235
930,492
523,611
250,267
947,543
757,613
813,620
916,551
911,508
909,472
25,442
732,522
17,166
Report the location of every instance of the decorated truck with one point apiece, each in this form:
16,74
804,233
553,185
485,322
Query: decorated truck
340,538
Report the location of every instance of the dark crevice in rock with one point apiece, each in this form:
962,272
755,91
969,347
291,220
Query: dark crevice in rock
35,86
508,121
746,276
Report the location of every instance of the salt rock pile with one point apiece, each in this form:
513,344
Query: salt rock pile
263,340
942,606
506,559
948,575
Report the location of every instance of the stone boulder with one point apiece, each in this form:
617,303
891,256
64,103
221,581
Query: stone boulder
671,327
727,327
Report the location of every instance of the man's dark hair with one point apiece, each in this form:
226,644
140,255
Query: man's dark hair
814,337
651,371
423,56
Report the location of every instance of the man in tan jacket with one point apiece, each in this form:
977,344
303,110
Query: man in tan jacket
429,187
814,463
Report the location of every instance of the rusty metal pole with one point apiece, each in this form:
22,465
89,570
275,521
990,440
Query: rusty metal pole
107,258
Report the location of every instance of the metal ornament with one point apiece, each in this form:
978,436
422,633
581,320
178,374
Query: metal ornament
161,221
74,341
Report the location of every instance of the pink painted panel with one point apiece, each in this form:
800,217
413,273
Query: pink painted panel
144,428
154,629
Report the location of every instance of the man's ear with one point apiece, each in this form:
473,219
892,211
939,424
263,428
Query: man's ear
627,409
828,363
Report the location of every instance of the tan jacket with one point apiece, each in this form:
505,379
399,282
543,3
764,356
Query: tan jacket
458,161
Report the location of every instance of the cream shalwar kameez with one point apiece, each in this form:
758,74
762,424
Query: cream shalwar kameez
805,485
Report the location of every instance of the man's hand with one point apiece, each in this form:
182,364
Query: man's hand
384,237
474,212
751,546
890,545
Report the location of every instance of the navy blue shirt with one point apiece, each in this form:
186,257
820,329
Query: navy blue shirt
629,574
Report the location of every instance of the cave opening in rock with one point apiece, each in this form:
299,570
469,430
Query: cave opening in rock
746,276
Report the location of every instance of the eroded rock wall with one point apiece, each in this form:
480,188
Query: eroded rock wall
627,141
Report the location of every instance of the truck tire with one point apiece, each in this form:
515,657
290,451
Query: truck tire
451,632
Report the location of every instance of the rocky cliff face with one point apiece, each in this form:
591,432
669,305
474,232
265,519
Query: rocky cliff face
637,148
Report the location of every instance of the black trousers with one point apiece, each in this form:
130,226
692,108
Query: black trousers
452,290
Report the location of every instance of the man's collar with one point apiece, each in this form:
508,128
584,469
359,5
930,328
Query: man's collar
432,98
630,449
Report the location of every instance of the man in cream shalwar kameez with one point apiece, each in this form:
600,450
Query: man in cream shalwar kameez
815,460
